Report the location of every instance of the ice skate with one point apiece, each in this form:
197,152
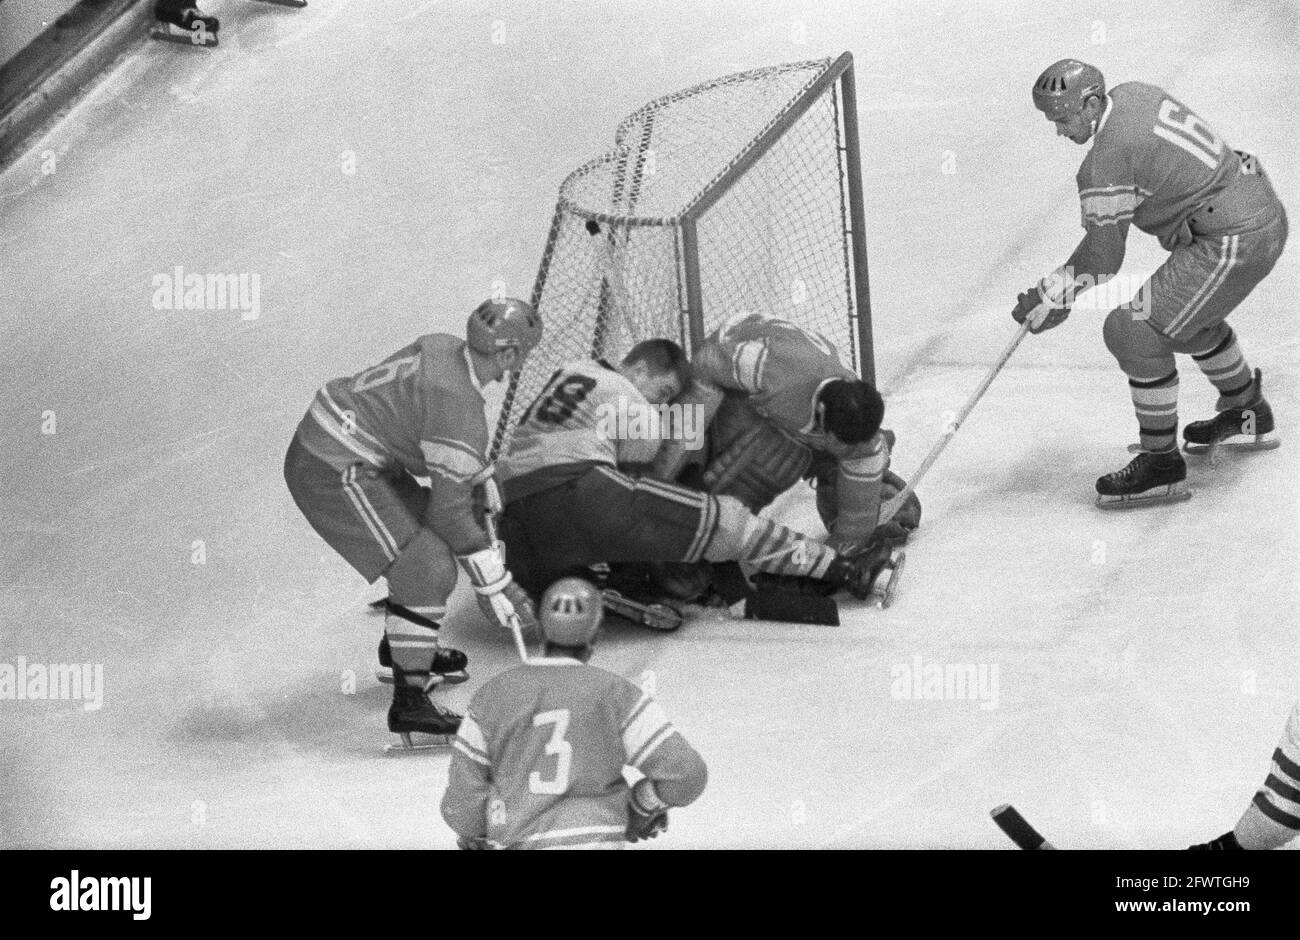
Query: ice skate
873,575
885,584
1148,479
412,713
634,592
656,615
1249,427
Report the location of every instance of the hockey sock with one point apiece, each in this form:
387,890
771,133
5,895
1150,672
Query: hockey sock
764,543
412,634
1225,366
1156,404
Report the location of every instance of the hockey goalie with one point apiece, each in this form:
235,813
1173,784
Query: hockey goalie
783,408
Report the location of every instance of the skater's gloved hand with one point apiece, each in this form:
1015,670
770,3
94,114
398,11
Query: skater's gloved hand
893,533
499,597
647,815
476,844
1044,305
485,486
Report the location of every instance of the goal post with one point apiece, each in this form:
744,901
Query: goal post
740,194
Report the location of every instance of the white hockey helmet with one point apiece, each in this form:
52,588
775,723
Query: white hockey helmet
501,324
571,612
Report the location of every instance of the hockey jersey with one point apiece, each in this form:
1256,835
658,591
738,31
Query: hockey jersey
782,368
1154,163
420,410
588,413
538,761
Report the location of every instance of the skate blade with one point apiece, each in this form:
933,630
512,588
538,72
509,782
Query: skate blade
427,742
1156,496
1238,442
295,4
885,596
184,37
655,616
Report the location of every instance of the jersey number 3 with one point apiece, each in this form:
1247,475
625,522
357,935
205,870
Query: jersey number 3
1184,129
556,747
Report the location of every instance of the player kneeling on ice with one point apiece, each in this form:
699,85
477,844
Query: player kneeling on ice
352,469
538,762
1156,165
569,503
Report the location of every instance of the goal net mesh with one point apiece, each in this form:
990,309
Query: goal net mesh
729,197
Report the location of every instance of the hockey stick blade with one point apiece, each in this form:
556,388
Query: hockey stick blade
1018,829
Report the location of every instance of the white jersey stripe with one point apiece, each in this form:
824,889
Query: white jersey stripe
339,432
1227,259
366,512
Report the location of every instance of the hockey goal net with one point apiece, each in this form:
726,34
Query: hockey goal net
741,194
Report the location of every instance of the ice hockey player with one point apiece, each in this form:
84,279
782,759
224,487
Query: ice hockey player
1273,817
568,503
352,469
785,408
1155,164
538,762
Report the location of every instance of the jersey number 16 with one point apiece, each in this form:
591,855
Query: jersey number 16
1184,129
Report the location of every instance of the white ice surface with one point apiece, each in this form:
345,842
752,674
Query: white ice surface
1145,660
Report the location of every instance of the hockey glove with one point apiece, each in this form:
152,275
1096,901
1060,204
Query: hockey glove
647,815
486,495
499,597
1043,305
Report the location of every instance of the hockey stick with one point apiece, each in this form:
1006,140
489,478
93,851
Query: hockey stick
1018,829
490,523
894,505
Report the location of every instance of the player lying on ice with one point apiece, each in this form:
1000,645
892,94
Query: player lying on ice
352,469
538,762
1156,165
781,407
569,502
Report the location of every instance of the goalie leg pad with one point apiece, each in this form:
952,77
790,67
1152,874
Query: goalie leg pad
758,463
778,599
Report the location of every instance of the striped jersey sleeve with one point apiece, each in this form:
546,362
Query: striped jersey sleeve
658,750
1279,798
1108,198
453,441
464,804
857,488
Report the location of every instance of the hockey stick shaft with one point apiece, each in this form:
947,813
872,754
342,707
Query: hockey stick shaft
894,505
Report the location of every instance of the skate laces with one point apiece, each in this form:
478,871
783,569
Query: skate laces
1131,468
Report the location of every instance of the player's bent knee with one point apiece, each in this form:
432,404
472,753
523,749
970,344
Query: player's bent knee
1135,344
424,574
